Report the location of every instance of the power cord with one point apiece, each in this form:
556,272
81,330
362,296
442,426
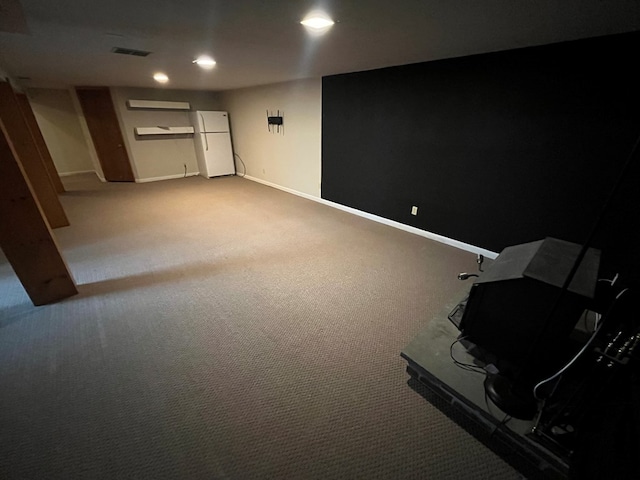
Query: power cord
465,275
582,350
502,423
470,367
477,369
244,167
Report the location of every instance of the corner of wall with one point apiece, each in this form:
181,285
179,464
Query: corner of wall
166,156
289,158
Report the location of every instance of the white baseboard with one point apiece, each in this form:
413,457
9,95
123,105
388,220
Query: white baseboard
167,177
401,226
80,172
68,174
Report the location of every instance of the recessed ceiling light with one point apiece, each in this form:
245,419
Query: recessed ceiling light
317,21
204,61
160,77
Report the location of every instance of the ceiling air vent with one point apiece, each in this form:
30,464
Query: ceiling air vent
130,51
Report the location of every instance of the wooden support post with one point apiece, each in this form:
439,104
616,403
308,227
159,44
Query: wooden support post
25,236
32,123
27,153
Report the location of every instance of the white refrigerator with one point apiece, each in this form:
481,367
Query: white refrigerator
213,143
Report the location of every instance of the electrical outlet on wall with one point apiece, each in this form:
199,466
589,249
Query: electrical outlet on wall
414,210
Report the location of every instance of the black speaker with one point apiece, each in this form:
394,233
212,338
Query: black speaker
508,310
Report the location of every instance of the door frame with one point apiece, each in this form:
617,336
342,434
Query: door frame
112,171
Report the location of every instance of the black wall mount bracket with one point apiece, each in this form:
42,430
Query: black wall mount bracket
277,121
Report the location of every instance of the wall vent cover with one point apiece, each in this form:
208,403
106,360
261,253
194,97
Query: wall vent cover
130,51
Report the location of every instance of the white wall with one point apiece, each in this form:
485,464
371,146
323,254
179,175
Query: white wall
160,157
290,160
61,129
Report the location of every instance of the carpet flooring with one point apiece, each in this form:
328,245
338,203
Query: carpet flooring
227,330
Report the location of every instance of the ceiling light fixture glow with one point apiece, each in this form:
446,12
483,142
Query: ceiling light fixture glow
160,77
317,22
205,62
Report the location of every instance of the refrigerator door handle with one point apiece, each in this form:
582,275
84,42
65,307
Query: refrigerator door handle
204,129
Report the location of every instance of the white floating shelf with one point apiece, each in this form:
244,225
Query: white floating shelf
160,105
163,130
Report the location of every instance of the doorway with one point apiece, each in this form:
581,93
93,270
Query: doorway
102,122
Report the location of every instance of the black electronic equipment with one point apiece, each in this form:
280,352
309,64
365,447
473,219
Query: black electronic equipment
507,311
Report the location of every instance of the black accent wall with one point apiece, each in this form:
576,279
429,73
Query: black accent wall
495,149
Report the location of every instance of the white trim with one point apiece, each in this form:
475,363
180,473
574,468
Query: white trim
401,226
167,177
97,174
67,174
158,104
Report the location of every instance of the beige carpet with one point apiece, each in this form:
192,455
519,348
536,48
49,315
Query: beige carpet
225,329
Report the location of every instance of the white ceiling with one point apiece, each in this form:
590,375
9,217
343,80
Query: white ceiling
60,43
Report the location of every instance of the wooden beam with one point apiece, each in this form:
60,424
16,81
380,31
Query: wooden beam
27,153
25,236
41,145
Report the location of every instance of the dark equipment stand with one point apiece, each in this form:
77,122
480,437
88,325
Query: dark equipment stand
460,394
